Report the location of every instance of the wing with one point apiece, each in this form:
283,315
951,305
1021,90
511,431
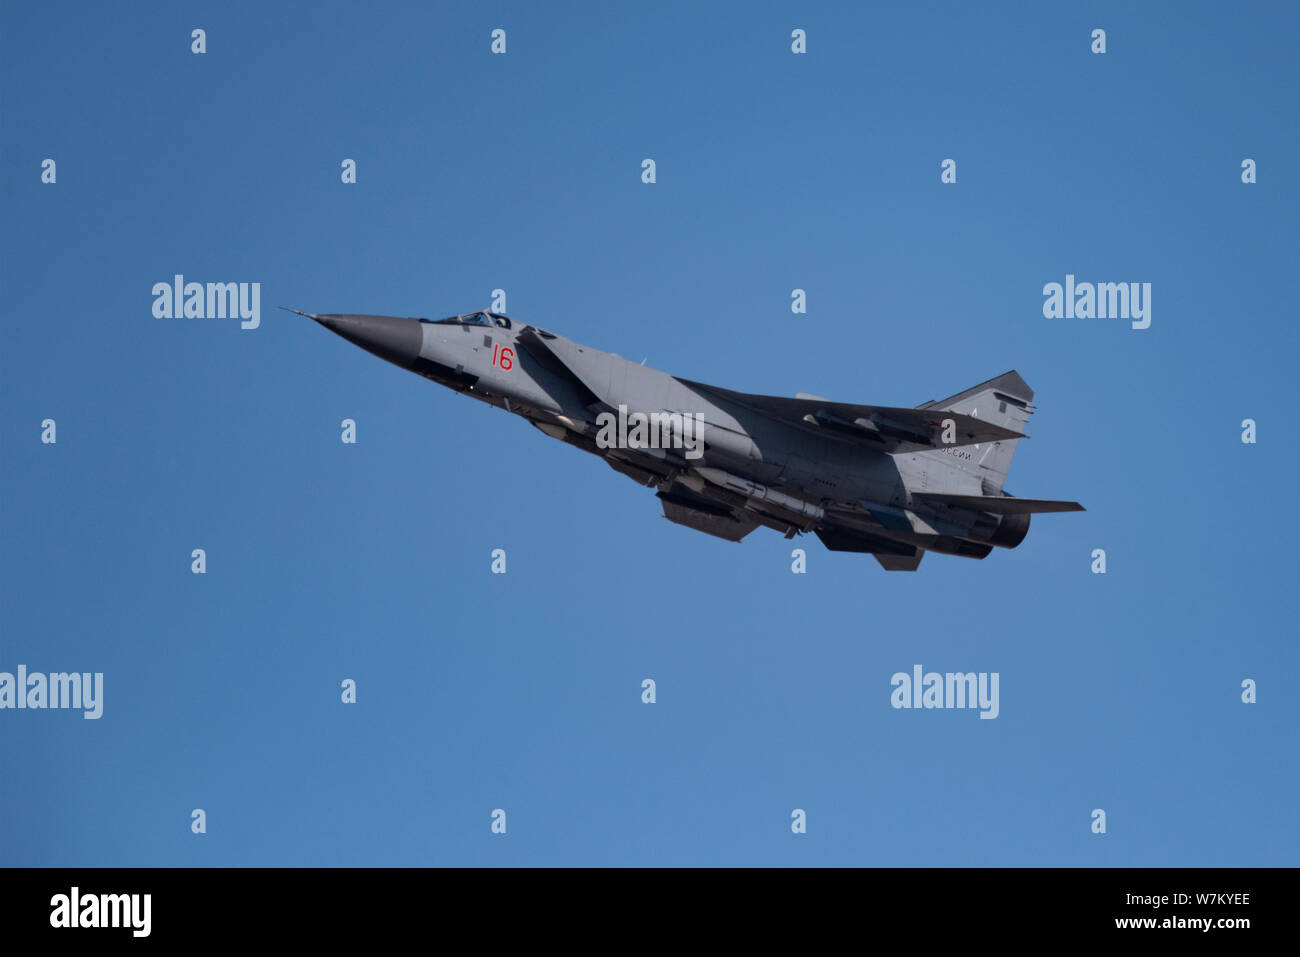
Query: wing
884,428
999,504
881,427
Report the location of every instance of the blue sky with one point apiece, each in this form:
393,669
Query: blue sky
775,171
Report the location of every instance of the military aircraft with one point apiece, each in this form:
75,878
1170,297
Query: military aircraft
891,482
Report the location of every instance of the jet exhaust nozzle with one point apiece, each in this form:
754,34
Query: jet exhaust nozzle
1011,531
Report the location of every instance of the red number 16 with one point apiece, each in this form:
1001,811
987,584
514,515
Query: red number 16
504,357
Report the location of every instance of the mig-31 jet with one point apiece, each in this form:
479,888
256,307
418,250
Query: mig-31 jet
891,482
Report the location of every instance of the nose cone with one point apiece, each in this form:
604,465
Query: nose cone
394,338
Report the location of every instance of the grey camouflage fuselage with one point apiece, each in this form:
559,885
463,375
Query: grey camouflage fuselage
892,482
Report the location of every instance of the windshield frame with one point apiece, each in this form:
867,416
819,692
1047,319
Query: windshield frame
491,320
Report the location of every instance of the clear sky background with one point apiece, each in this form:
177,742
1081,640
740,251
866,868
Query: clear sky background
523,692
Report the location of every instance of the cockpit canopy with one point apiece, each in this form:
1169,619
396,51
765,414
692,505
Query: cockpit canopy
475,319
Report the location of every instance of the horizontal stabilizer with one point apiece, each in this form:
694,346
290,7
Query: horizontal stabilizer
1001,505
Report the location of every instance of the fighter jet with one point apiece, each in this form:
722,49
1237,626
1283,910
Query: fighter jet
890,482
